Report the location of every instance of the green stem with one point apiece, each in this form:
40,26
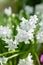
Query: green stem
13,56
10,62
9,52
37,58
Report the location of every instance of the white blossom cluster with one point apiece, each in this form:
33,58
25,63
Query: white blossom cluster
40,32
25,33
26,29
5,32
27,61
3,60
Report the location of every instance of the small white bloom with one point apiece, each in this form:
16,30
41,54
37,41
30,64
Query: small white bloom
8,11
28,9
22,62
27,61
11,44
5,32
39,8
3,60
23,36
25,24
33,19
40,37
40,33
29,24
41,23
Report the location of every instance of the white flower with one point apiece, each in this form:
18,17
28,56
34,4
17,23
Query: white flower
29,24
33,19
8,11
11,44
22,62
28,9
26,29
39,8
25,24
27,61
5,32
40,37
3,60
23,36
40,33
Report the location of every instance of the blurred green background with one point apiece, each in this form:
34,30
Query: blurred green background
17,5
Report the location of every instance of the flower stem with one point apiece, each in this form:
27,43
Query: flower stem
37,58
13,56
9,52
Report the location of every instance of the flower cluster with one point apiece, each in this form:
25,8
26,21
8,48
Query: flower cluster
5,32
27,61
40,32
11,44
26,29
17,35
3,60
